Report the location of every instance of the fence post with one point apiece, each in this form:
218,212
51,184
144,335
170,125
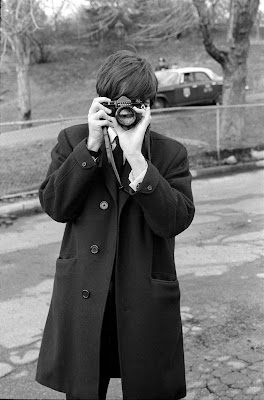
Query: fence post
61,120
218,131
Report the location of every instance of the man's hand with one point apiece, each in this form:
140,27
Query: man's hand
131,140
98,117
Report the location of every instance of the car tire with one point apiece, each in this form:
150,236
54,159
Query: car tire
159,103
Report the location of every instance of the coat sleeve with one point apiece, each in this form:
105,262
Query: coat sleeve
71,173
167,201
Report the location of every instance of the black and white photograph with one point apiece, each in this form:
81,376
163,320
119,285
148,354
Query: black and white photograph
132,200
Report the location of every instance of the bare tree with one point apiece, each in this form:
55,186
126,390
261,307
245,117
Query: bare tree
233,59
163,20
56,9
99,18
259,22
18,23
219,11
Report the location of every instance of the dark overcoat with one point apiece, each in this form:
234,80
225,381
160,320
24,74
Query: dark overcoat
134,232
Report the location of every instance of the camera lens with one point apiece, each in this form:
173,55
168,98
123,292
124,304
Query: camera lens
125,116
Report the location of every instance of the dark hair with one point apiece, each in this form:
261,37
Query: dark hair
126,74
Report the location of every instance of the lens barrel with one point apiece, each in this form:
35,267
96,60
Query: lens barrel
126,116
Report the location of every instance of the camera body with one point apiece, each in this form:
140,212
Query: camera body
123,111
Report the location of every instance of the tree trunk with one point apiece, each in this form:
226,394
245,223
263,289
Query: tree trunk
233,118
235,75
234,63
22,50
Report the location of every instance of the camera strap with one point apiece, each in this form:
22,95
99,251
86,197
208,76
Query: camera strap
110,156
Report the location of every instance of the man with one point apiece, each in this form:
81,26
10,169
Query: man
161,64
115,308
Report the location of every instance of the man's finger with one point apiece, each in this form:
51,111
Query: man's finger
101,99
101,114
97,105
104,122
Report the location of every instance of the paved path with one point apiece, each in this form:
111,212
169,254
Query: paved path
220,268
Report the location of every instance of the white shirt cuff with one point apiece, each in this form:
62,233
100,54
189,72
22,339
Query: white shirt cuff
135,182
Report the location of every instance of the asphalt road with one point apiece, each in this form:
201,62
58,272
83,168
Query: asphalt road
221,273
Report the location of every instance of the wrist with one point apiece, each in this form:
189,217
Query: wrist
137,163
94,154
93,144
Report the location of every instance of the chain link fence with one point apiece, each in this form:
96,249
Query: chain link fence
25,152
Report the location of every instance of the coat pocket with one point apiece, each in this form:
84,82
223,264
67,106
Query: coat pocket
166,293
164,276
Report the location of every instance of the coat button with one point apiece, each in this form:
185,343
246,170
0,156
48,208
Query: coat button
94,249
149,187
85,294
104,205
84,163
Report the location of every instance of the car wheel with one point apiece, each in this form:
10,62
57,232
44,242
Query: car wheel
159,103
219,99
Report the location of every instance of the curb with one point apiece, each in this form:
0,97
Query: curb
21,208
31,206
226,169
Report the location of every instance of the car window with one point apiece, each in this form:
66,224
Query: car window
202,77
188,77
166,77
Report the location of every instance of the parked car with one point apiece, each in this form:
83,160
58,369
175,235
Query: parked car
188,86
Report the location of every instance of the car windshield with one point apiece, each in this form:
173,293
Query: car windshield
167,77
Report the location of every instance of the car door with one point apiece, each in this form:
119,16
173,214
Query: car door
187,90
204,89
172,91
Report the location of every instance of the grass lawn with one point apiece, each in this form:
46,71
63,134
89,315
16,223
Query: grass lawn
28,168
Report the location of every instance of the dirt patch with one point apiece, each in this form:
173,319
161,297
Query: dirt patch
210,158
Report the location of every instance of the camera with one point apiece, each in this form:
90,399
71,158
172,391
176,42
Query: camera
123,111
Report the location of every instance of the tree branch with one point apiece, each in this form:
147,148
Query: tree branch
32,15
244,17
4,50
168,23
205,25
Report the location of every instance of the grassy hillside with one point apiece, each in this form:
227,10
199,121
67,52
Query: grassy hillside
65,85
